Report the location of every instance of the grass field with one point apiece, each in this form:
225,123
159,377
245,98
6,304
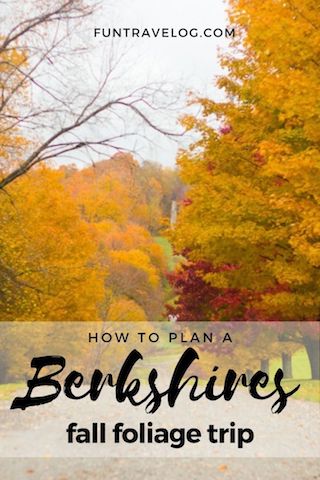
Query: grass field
300,365
309,389
167,248
301,372
8,389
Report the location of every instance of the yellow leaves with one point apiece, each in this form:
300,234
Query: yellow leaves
254,182
216,280
223,468
272,150
290,273
139,260
11,57
188,122
132,236
315,226
298,307
65,253
313,254
101,198
125,310
120,201
47,247
281,47
13,94
306,249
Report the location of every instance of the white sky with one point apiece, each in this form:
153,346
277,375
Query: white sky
191,63
188,64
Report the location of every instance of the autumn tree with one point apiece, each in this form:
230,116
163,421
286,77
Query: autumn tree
113,202
162,186
71,250
47,269
253,200
141,193
196,299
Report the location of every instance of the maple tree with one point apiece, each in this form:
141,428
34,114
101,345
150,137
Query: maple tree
12,142
45,257
253,200
122,190
197,300
113,201
74,247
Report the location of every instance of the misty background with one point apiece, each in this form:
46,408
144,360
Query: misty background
190,64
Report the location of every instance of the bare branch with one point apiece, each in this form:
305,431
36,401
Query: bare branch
44,99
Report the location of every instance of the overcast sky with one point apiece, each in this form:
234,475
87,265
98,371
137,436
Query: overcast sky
189,62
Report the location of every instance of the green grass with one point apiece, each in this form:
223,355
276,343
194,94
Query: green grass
309,389
301,372
300,365
7,390
172,259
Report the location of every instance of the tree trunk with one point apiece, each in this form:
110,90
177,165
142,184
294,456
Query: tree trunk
287,365
249,374
312,347
264,365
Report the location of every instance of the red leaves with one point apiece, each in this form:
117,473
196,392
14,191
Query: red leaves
194,294
197,300
186,202
259,159
224,130
210,166
279,181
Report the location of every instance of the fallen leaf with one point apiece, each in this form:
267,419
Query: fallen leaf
223,468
